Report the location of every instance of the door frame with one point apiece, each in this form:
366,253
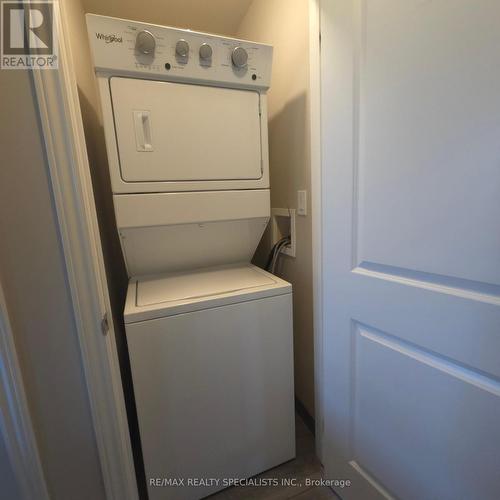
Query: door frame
60,116
315,136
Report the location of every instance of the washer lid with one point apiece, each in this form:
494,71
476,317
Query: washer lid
198,284
175,293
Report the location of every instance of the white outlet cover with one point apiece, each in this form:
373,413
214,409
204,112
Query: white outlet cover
301,202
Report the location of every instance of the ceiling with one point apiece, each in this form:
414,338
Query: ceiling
213,16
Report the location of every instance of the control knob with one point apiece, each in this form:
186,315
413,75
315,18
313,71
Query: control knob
182,48
145,42
239,57
205,51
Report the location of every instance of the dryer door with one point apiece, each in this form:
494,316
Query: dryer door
179,132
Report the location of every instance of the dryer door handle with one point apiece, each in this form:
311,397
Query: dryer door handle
142,126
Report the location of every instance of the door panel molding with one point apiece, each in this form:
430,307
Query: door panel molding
473,290
439,362
410,128
408,400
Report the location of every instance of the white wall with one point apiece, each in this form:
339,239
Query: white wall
285,25
33,275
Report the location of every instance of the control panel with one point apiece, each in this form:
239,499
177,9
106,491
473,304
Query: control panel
166,53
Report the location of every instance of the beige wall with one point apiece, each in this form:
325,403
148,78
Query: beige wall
212,16
33,276
284,24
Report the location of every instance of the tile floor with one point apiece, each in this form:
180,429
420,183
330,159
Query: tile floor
305,465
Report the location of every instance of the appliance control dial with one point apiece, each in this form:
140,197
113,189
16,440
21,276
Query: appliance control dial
205,51
145,42
182,48
239,57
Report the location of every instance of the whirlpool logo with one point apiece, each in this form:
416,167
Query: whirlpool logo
109,38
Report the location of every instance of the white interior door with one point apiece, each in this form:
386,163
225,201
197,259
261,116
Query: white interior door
411,214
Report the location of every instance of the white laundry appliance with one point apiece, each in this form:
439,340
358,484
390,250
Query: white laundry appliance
209,335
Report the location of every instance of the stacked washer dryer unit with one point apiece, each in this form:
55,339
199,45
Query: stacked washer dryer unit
209,334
